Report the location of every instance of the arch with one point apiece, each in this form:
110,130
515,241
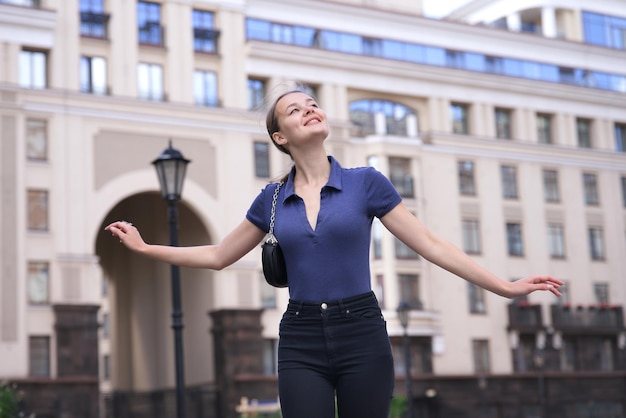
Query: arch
141,345
376,117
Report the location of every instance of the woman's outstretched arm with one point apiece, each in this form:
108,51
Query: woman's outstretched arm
235,245
406,227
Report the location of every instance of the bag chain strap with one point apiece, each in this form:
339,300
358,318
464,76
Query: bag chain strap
272,238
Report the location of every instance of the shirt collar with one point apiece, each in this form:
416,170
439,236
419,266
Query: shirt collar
334,180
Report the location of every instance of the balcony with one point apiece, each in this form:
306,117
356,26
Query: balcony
588,319
94,25
152,33
525,317
205,40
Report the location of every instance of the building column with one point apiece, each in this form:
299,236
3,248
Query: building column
514,22
238,350
548,22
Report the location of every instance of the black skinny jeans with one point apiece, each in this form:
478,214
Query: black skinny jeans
335,349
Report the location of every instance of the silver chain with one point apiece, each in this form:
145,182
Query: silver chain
273,215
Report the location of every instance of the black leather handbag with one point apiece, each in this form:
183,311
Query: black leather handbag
274,268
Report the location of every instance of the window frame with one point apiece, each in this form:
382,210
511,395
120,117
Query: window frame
459,118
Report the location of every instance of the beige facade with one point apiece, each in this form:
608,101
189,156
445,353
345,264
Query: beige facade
99,149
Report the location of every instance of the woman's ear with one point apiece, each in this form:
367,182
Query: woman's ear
278,138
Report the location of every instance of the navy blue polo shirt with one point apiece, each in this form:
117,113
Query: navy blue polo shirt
332,261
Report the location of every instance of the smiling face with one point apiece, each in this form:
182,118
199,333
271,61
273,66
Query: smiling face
297,120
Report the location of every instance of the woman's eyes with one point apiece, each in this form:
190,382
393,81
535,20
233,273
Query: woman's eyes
294,109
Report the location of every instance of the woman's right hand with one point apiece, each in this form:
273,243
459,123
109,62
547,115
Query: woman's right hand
127,233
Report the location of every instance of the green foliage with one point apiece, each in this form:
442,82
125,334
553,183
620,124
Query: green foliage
398,407
9,402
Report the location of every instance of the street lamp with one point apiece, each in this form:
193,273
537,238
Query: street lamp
403,315
171,167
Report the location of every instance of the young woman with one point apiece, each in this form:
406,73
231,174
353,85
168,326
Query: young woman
333,344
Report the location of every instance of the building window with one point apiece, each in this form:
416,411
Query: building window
268,293
261,159
565,298
400,175
205,88
459,118
556,241
104,289
590,185
403,251
482,360
25,3
377,239
37,205
551,191
620,137
596,243
106,367
568,354
106,326
36,139
476,295
33,69
409,290
149,23
93,19
39,356
270,357
93,75
509,181
204,34
624,191
583,131
38,282
503,123
256,93
604,30
467,185
150,81
471,236
309,89
380,117
524,354
514,239
420,352
544,128
601,292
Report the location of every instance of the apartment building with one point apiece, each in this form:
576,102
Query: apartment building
503,126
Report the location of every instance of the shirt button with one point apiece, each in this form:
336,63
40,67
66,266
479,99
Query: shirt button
324,305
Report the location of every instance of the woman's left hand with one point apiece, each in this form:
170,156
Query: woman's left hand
531,284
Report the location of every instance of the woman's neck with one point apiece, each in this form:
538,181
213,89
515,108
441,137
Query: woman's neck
312,169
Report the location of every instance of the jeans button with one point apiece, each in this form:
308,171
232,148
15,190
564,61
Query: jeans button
324,306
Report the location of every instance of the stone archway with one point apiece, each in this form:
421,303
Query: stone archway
139,300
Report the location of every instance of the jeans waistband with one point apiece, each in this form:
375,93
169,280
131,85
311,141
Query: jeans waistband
333,305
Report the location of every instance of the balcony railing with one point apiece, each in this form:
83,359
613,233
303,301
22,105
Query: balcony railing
525,317
589,319
151,34
94,25
205,40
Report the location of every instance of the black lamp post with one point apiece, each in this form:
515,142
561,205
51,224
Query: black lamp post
403,315
171,167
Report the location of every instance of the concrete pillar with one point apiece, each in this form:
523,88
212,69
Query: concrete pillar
514,22
548,22
238,342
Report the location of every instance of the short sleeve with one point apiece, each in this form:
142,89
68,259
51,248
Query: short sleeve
259,211
382,196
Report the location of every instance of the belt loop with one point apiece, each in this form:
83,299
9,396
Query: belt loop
342,307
